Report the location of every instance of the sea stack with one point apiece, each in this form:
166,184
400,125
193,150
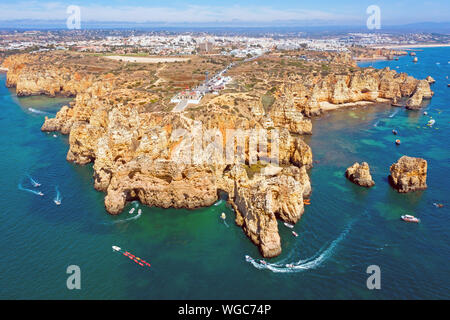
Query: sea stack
422,91
409,174
360,174
430,80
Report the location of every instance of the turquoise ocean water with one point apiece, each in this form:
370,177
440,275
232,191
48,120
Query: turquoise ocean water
194,255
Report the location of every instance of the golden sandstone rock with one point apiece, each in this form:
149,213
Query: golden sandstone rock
360,174
165,159
409,174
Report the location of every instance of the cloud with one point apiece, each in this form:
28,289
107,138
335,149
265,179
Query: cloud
190,13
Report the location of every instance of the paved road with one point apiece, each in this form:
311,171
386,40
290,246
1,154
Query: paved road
180,106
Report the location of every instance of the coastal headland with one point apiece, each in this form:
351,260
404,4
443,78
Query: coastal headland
121,120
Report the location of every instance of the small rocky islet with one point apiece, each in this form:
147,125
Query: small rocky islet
121,121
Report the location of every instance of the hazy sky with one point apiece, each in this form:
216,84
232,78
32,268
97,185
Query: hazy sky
349,12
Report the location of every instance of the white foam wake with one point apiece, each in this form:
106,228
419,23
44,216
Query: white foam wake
394,113
128,219
39,111
58,197
34,182
302,265
29,190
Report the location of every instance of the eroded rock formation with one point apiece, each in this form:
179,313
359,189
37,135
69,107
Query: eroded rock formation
360,174
409,174
165,159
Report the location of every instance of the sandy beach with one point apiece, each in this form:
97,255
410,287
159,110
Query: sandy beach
327,106
147,59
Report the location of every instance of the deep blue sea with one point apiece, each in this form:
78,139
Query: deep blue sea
194,255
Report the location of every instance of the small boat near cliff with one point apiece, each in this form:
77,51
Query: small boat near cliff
223,216
398,142
410,218
288,225
132,210
295,234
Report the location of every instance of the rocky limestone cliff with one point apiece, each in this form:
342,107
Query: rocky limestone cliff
368,84
144,154
360,174
421,92
409,174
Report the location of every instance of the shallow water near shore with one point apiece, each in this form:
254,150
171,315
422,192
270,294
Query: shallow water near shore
194,255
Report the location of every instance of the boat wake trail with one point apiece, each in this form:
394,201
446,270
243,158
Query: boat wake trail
376,123
34,182
58,197
40,112
394,113
218,202
39,193
137,216
225,223
306,264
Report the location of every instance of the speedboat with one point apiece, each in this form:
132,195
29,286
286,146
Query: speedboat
40,193
395,132
295,234
248,258
223,216
116,248
397,142
431,122
139,211
57,202
288,225
132,210
409,218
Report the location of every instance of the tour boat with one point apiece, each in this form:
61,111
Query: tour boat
288,225
397,142
409,218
